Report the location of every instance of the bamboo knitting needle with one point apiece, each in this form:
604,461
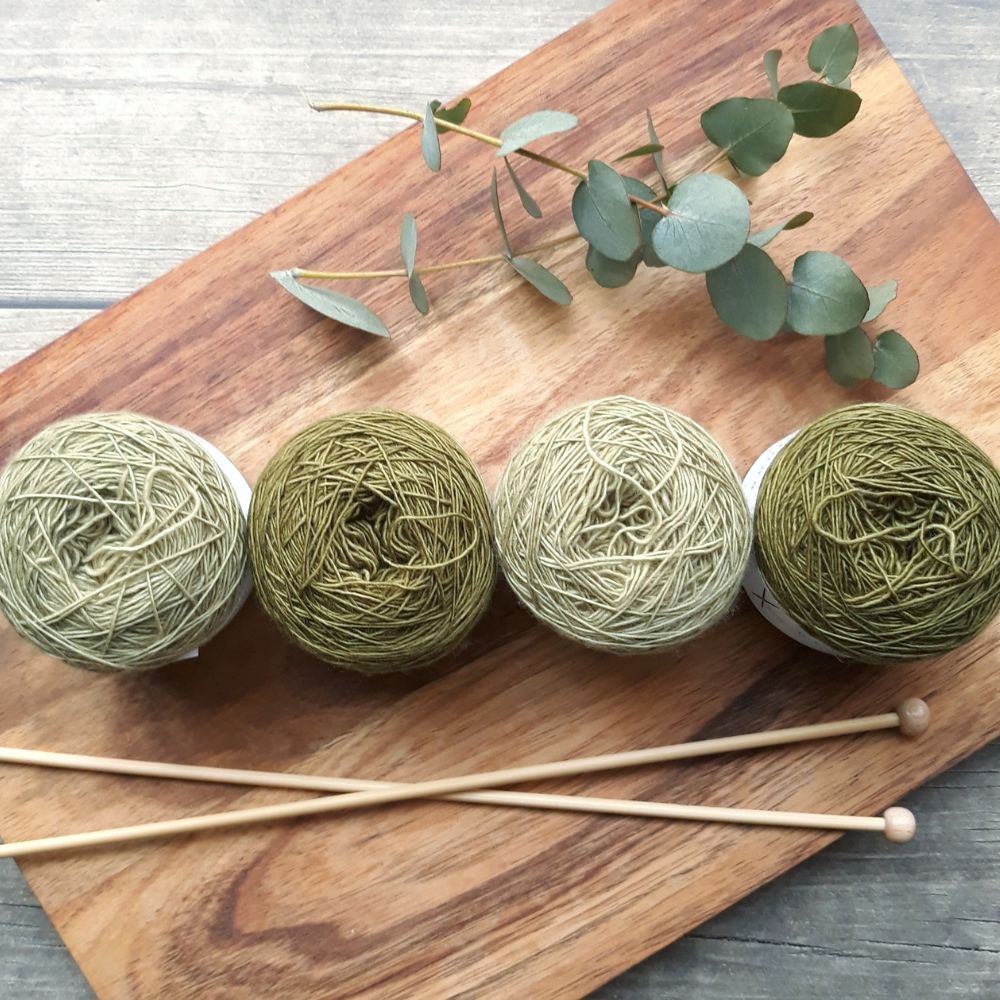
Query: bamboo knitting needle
911,717
897,824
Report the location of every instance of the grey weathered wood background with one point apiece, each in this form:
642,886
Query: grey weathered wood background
133,135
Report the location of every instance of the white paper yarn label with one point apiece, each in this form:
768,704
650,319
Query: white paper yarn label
762,597
243,493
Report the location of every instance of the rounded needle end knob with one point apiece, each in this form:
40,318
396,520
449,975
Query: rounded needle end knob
900,825
914,717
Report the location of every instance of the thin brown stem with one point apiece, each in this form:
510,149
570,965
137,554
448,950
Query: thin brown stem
453,265
555,164
649,204
490,140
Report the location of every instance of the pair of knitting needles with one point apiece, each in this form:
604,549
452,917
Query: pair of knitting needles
911,718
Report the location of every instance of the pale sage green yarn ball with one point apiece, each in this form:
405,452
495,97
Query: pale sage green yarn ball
622,525
122,544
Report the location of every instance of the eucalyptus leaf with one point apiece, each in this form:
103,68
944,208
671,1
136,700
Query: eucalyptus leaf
849,358
408,243
818,109
896,362
771,59
765,236
542,279
834,52
755,132
528,203
648,221
495,202
749,294
534,126
826,296
429,144
647,150
654,140
604,214
639,189
418,294
610,273
708,224
333,305
456,115
879,296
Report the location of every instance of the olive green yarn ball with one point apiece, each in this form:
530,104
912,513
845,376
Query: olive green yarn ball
878,529
622,525
370,541
122,543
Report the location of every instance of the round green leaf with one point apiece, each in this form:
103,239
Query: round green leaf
765,236
603,213
341,308
879,296
657,156
610,273
418,294
648,221
755,132
640,189
537,125
771,59
455,115
749,294
826,296
819,110
647,150
408,243
834,52
498,215
849,357
429,144
542,279
896,362
527,202
708,224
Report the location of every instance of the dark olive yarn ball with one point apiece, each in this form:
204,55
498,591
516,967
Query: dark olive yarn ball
878,529
370,541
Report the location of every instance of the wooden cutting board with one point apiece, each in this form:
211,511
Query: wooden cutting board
439,899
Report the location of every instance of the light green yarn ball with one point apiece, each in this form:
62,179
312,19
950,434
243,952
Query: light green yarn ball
622,525
122,544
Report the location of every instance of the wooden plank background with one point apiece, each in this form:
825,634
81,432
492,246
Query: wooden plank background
173,129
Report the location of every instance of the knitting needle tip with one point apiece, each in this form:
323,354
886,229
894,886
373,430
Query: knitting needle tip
914,717
900,825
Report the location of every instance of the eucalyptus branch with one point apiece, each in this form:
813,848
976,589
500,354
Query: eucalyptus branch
701,223
490,140
496,258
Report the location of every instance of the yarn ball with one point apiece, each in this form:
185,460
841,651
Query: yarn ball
622,525
122,545
370,541
878,529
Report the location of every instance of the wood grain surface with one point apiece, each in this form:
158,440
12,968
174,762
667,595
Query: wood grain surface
432,898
